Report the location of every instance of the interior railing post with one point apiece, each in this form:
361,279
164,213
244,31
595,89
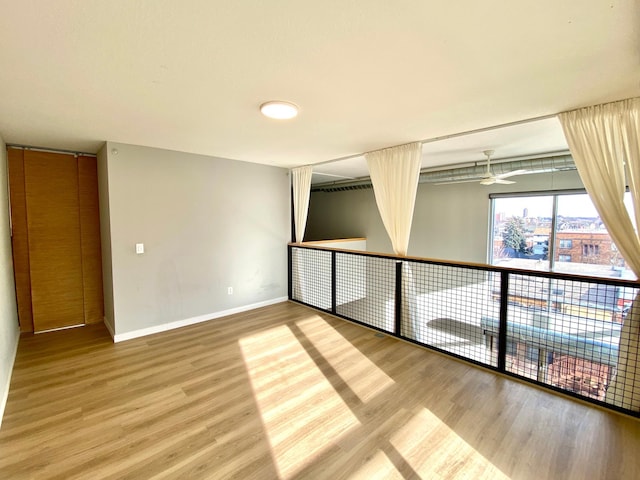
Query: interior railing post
290,269
398,312
502,333
333,282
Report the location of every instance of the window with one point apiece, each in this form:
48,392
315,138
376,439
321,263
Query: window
521,230
554,231
589,250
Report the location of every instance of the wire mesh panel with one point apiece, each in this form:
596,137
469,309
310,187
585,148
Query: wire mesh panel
576,334
443,307
624,388
311,277
566,333
365,289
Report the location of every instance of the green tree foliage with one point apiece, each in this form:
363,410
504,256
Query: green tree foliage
514,234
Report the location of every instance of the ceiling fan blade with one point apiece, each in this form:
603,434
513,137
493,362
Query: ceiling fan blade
488,181
503,182
510,174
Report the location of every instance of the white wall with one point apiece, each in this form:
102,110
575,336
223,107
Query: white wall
206,224
105,238
9,328
450,222
358,244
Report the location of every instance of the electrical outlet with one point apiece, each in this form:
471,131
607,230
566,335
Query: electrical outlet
229,290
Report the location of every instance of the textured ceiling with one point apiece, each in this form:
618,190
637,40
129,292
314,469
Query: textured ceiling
190,75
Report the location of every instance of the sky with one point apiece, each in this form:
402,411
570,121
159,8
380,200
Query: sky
568,206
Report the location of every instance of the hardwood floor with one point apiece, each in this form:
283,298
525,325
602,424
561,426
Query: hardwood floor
285,392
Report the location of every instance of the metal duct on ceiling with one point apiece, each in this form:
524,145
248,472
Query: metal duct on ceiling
533,165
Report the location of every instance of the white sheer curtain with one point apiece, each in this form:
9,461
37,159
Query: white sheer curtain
605,145
301,181
394,174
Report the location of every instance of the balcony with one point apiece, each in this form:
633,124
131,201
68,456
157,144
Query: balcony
556,330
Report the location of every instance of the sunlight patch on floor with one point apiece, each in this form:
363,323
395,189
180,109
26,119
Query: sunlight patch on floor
358,372
434,450
377,467
302,413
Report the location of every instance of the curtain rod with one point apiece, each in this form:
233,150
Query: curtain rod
452,135
51,150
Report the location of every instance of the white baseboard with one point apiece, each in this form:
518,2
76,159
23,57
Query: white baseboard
121,337
5,391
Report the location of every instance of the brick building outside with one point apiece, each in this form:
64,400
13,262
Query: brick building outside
591,247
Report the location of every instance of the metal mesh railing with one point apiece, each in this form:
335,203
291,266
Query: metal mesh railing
560,331
365,289
566,333
445,306
311,277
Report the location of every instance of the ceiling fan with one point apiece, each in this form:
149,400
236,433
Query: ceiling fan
488,178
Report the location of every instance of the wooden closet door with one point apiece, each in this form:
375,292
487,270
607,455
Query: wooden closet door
55,260
90,239
20,238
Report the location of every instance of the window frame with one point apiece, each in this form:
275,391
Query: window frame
568,244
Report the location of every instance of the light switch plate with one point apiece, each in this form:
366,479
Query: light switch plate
139,248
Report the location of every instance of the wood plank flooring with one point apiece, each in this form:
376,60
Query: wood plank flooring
284,392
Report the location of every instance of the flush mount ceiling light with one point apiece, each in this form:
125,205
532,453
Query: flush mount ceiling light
279,110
